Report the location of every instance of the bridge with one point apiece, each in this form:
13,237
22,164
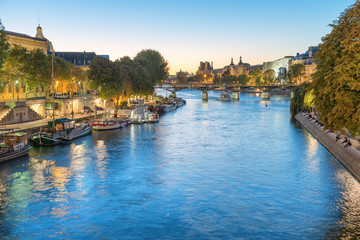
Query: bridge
274,89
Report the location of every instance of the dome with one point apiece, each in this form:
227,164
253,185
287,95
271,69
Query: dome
39,33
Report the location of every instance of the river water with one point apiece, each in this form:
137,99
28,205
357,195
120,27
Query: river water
209,170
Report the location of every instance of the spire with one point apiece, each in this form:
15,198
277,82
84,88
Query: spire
39,33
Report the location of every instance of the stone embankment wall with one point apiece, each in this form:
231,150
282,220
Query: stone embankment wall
349,157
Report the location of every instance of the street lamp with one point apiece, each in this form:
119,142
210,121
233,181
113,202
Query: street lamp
17,89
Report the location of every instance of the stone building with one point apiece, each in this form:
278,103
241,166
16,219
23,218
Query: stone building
30,43
79,59
16,90
307,59
205,68
234,69
282,66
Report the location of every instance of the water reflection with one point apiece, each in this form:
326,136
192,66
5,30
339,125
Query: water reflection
348,227
208,170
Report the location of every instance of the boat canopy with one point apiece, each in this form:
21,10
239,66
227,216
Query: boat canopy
61,121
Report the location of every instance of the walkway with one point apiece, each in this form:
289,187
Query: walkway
43,122
348,156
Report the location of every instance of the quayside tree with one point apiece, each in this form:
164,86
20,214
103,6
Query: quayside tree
4,45
128,76
336,82
297,73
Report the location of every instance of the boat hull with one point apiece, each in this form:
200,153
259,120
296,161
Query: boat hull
15,154
43,139
77,134
104,127
224,99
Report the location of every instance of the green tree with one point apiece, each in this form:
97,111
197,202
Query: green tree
4,45
100,74
243,79
14,69
336,82
256,76
141,80
107,77
297,73
269,77
61,69
38,69
297,102
181,77
154,63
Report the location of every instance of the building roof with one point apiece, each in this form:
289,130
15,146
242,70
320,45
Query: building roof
306,55
25,36
77,58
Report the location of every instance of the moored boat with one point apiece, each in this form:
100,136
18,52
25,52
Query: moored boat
14,145
225,97
60,130
53,135
153,117
80,130
180,102
169,106
101,125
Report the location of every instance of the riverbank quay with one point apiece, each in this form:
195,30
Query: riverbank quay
34,126
348,156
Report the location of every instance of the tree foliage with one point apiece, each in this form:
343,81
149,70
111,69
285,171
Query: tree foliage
269,77
4,45
61,68
15,66
297,102
102,76
297,73
181,77
336,82
256,76
154,63
38,69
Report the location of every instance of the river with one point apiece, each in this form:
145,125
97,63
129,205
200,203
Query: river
209,170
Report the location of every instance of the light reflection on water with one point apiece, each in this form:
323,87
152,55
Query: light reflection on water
208,170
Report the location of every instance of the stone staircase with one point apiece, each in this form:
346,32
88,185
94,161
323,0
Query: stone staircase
18,114
3,113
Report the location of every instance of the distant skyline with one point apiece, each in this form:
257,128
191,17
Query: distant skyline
184,32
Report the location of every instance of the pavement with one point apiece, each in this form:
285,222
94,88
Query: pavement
44,122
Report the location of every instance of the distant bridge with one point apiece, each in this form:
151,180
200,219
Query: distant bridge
275,89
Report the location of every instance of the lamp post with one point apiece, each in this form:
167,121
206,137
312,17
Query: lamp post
17,89
53,88
72,99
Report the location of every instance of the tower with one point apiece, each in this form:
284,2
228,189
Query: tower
240,61
39,33
232,62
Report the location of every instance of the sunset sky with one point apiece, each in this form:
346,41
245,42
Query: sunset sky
184,32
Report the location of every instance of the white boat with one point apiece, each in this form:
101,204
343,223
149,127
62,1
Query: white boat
225,97
14,145
102,125
168,107
125,122
153,117
180,102
79,131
